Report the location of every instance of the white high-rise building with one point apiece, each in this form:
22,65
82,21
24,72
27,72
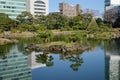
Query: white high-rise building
112,2
115,2
38,7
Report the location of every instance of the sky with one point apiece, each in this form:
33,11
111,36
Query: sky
85,4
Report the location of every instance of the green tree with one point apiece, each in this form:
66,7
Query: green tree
45,59
25,17
5,22
80,22
102,25
40,20
46,35
93,26
77,62
99,21
56,21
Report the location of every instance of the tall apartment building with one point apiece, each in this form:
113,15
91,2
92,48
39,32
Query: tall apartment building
112,10
69,10
38,7
12,7
15,66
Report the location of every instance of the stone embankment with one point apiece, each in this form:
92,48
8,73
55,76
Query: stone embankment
9,34
6,41
9,37
57,47
63,48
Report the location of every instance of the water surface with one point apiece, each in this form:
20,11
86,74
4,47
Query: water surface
101,62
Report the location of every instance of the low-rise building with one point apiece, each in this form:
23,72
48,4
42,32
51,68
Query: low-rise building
68,10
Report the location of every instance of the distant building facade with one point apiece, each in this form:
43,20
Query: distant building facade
68,10
112,13
112,10
94,13
38,7
12,7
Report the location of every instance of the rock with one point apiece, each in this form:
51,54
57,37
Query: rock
37,48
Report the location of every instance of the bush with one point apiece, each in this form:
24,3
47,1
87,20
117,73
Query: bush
67,28
46,35
13,30
77,36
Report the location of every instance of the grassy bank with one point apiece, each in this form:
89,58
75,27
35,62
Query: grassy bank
67,36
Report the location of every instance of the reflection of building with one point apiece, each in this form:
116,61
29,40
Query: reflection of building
112,9
38,7
32,60
14,66
69,10
12,7
112,66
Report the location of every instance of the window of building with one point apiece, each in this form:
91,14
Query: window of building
39,9
2,2
40,2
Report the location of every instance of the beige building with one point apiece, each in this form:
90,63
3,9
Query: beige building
69,10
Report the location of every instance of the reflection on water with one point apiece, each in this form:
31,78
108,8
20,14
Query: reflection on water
14,66
113,60
102,62
32,60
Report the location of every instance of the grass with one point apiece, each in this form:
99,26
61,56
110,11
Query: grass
56,43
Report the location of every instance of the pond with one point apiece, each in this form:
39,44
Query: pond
100,62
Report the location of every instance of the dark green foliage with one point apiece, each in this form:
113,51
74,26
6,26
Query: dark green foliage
56,21
77,36
4,49
25,17
80,22
5,22
99,21
26,22
77,62
102,26
46,35
45,59
117,23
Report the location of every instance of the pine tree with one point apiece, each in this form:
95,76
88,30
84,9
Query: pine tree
93,26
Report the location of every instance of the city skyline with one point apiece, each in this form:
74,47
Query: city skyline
84,4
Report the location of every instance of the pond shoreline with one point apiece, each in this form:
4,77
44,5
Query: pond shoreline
61,47
8,36
4,41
